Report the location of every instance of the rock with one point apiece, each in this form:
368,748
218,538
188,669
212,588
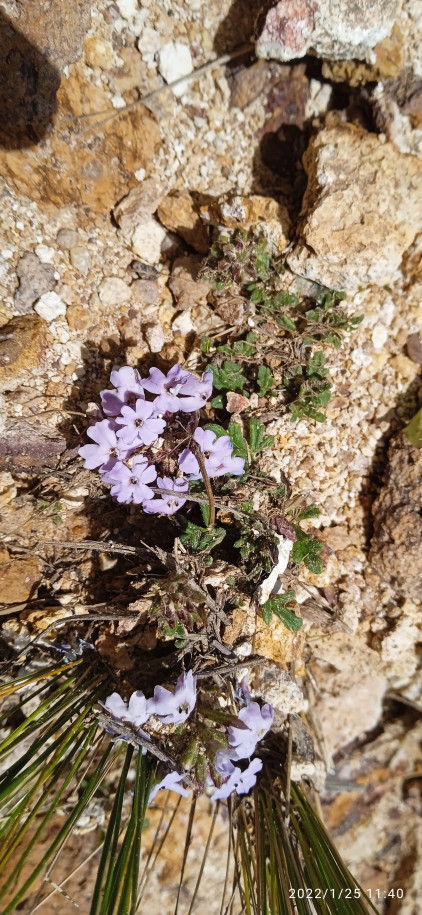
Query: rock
105,167
338,30
154,335
184,283
8,491
35,279
22,344
396,545
44,253
98,52
56,30
348,703
139,205
271,219
387,64
148,240
175,61
80,258
27,447
50,306
144,292
356,186
247,83
236,403
233,309
179,213
67,238
113,291
19,580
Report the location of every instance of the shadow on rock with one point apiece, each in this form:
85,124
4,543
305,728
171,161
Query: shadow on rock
28,86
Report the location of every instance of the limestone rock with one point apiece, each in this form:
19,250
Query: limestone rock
50,306
175,61
339,29
396,547
35,279
348,704
139,205
184,283
357,187
19,579
269,218
22,343
113,291
388,62
179,213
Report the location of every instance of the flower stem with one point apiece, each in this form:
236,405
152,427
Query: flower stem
208,488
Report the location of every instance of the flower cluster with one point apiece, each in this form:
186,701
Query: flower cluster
133,425
252,724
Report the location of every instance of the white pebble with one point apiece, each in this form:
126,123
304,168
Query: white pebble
175,61
154,336
379,337
140,174
114,291
44,254
50,306
147,240
80,258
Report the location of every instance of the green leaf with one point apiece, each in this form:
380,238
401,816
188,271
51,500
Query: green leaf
240,446
314,564
413,430
218,430
265,380
286,322
267,613
207,344
205,512
229,376
312,511
257,294
277,605
257,440
316,365
218,402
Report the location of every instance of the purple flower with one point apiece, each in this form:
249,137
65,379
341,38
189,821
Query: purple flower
174,708
129,390
255,723
107,450
223,761
131,485
238,781
134,712
139,424
171,781
217,453
167,505
178,382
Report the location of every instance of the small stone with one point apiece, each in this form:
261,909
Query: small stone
45,254
67,238
146,292
379,337
154,335
22,343
98,52
147,241
184,283
50,306
414,348
183,323
247,83
80,258
179,213
139,205
35,279
79,317
8,492
175,61
236,403
19,580
114,291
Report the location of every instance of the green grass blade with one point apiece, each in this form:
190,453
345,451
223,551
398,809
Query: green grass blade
96,778
112,834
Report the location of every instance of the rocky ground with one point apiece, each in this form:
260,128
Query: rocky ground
105,174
